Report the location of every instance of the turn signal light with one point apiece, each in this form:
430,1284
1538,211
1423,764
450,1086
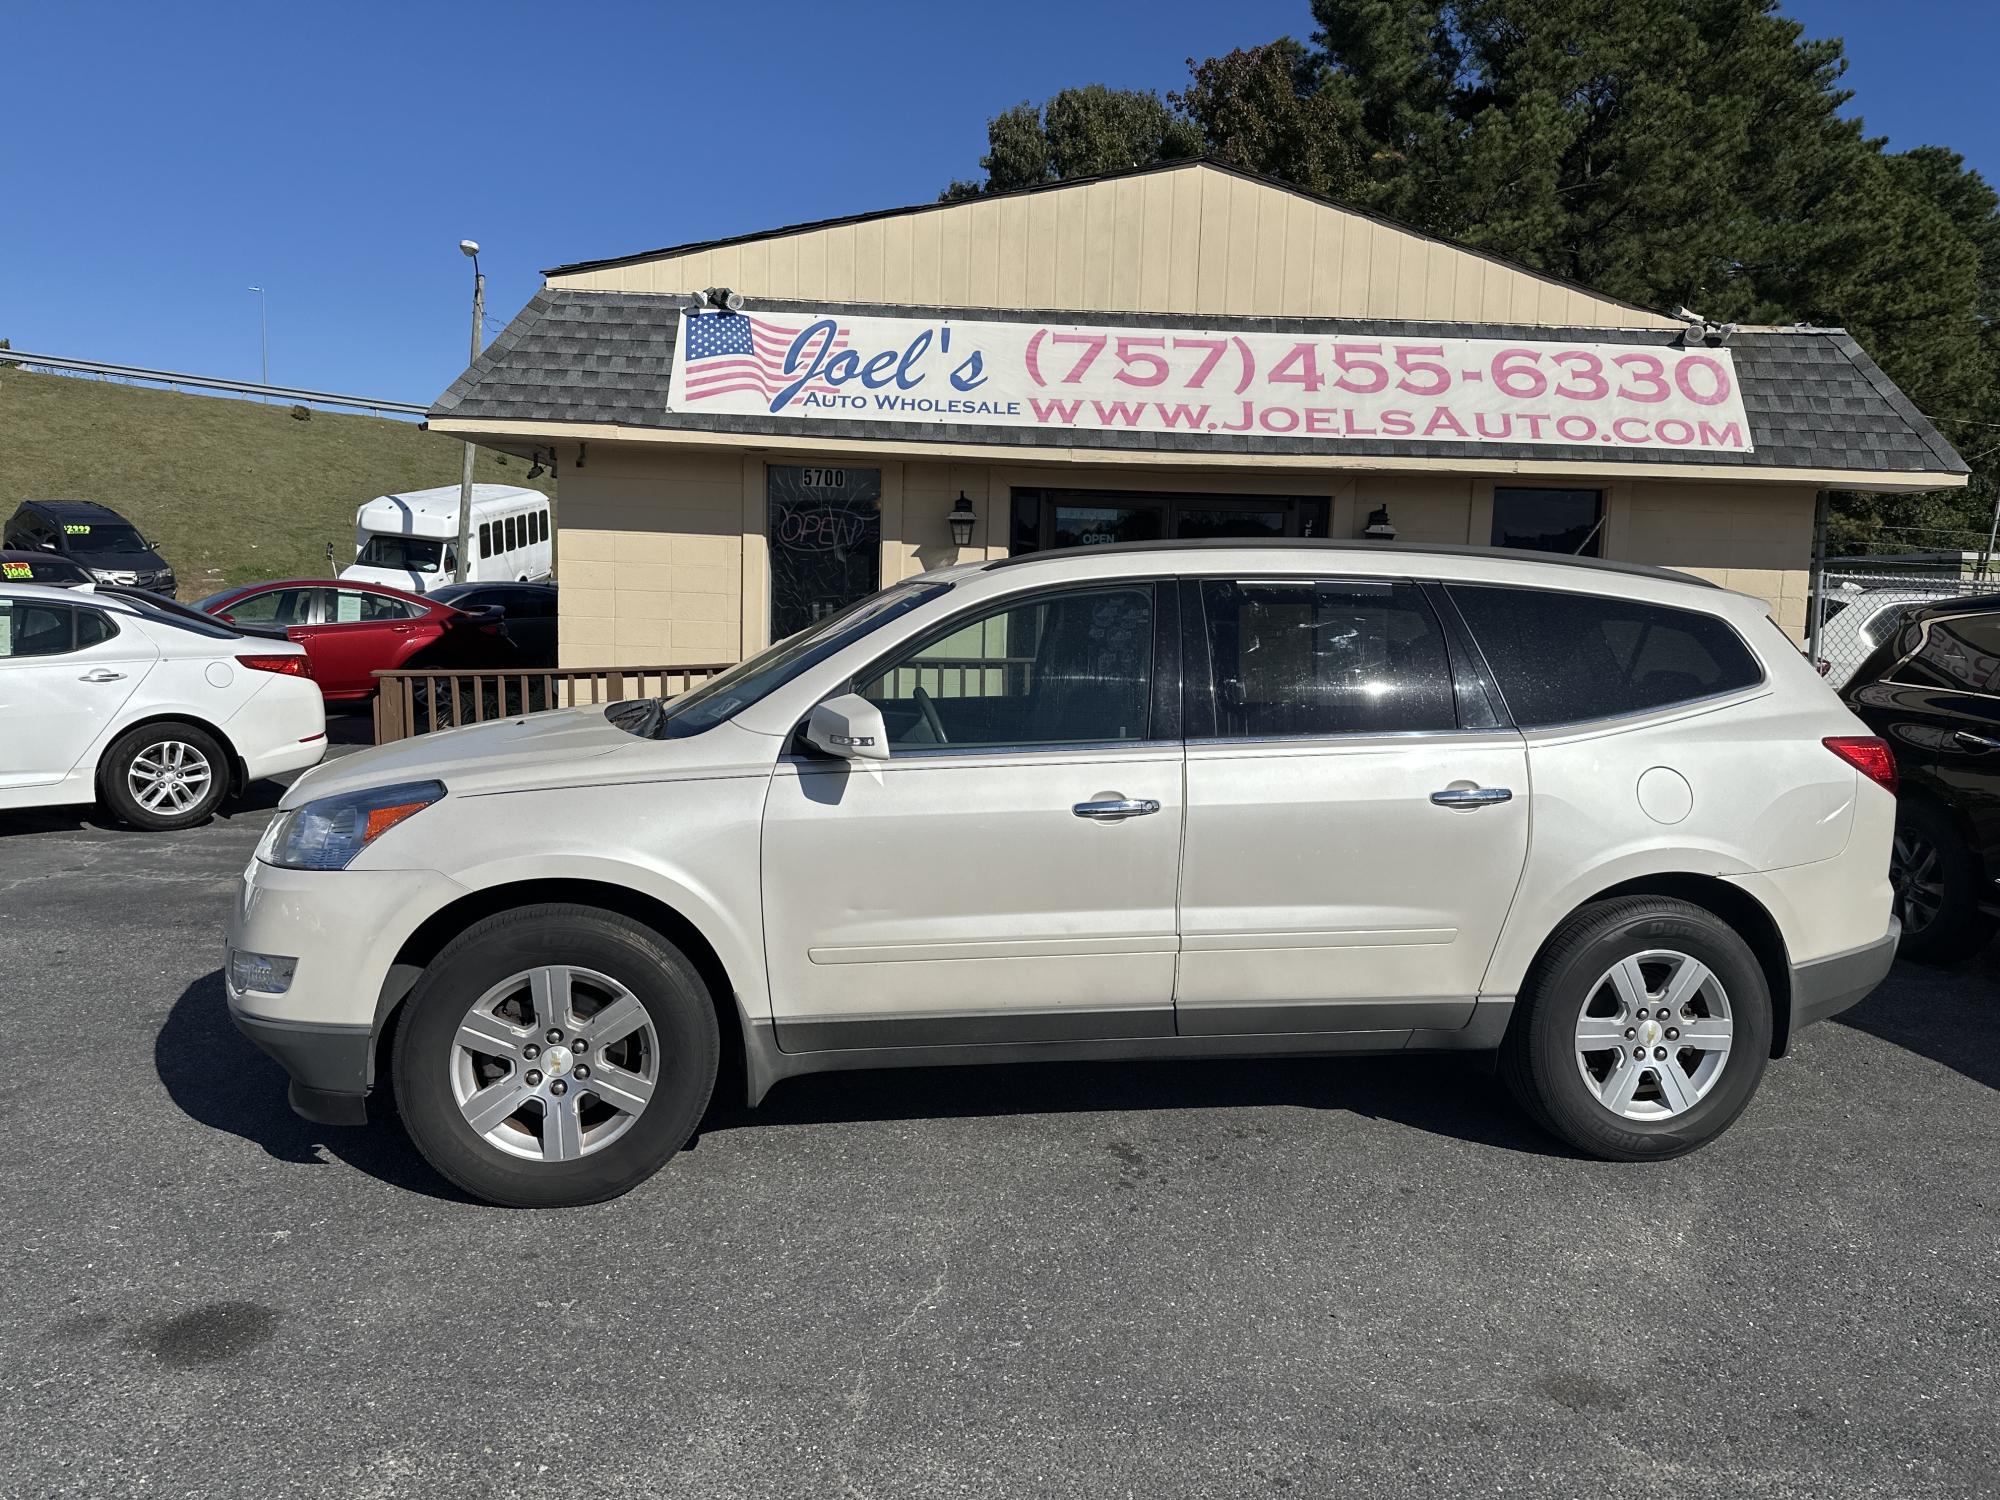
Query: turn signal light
1868,755
284,666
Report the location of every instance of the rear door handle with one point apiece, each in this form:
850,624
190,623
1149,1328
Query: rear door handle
102,674
1472,796
1114,809
1967,737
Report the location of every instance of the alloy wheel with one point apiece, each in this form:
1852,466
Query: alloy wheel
554,1063
1654,1035
169,777
1916,870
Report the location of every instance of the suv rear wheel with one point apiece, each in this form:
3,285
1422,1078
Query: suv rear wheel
1642,1030
555,1055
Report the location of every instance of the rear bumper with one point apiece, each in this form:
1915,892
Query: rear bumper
329,1066
1829,986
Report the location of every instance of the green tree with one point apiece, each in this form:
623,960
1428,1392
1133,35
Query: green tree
1079,133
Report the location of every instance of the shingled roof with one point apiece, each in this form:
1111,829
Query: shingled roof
1814,400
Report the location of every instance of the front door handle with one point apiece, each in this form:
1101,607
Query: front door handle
1979,741
102,674
1115,809
1472,796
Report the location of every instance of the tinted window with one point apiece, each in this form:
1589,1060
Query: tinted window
273,607
1562,658
1060,669
47,568
485,538
92,628
1548,520
355,605
1319,657
1962,654
96,539
31,629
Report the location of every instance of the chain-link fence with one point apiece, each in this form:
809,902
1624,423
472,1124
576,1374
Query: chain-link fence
1861,602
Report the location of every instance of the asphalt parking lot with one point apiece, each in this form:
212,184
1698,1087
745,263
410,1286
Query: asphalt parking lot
1365,1277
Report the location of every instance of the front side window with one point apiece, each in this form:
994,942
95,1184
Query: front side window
1059,669
1537,520
272,607
1565,658
411,554
30,628
1961,653
1321,657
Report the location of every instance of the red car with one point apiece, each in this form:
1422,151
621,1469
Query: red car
351,630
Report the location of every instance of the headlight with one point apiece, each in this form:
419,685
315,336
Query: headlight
328,833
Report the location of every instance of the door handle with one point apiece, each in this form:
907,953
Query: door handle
1472,796
102,674
1980,741
1115,809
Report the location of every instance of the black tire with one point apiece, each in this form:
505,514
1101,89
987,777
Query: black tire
658,975
1938,881
1539,1056
201,750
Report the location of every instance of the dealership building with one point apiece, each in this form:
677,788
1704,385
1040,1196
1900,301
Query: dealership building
749,433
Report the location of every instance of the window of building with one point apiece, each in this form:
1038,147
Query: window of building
825,532
1322,657
1044,519
1564,658
1566,521
1060,669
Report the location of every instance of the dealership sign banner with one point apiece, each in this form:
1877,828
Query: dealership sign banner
1317,387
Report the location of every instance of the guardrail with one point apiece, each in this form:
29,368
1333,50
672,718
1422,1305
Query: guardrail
410,703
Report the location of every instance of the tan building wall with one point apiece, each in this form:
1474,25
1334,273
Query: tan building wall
1190,239
663,558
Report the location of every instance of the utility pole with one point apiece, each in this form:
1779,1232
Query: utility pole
464,568
263,334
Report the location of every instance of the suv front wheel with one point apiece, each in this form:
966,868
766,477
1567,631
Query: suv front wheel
1642,1030
555,1055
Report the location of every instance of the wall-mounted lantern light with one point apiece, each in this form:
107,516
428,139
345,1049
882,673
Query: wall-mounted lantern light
1379,527
961,521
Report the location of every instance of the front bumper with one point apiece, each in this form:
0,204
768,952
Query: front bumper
331,1067
1828,986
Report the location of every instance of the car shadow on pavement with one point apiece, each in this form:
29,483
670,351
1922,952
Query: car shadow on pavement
217,1078
1439,1095
1945,1014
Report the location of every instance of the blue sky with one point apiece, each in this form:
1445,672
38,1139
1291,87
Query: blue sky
158,159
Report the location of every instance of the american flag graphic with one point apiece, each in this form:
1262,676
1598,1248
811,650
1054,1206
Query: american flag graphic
729,352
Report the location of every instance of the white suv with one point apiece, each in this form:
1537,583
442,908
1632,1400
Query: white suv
1124,802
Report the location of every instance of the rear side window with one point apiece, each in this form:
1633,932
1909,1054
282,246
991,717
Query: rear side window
1564,658
1961,653
30,628
1322,657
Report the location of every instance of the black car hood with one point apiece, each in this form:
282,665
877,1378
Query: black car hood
120,562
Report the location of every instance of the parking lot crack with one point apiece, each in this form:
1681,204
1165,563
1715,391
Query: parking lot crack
859,1394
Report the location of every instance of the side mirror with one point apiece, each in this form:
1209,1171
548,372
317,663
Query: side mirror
850,727
50,545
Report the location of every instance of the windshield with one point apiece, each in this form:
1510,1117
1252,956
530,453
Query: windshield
95,540
412,553
41,570
748,682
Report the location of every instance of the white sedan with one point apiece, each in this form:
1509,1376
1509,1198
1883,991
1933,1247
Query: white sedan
147,709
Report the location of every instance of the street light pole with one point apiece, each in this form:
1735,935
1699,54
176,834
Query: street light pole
464,569
263,332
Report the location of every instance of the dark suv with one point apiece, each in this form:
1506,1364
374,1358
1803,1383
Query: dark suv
95,537
1932,690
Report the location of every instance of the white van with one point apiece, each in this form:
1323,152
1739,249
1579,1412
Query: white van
410,540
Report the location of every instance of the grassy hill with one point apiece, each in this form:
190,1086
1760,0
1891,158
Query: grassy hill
229,491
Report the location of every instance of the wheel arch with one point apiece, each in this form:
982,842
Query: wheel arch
1743,912
239,772
438,929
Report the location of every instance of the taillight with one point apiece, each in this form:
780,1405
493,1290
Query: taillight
284,666
1868,755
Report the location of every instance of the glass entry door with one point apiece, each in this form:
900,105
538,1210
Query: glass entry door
826,542
1047,519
